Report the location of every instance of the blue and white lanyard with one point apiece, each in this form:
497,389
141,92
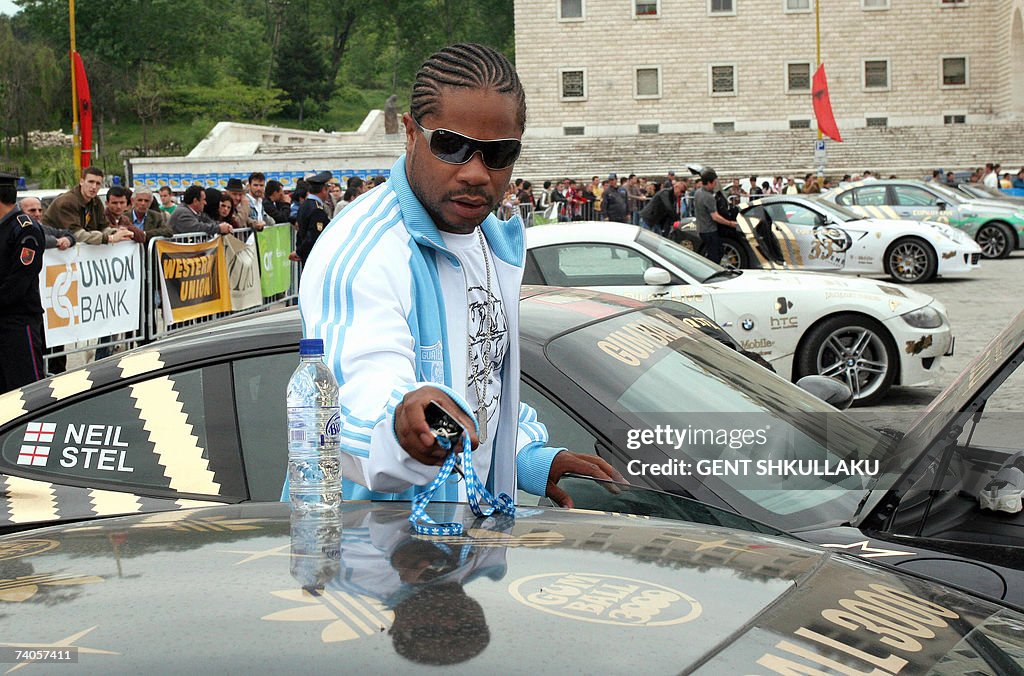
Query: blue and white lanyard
475,491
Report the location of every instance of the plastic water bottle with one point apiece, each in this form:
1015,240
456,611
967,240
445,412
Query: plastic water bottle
314,456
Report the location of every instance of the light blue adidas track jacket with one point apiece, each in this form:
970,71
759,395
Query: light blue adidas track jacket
370,290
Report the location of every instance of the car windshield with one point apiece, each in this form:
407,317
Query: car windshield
950,195
751,437
693,264
984,192
839,212
604,496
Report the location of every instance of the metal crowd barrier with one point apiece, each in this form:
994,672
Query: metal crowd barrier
152,325
156,324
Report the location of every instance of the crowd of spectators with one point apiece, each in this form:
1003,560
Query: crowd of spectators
82,216
607,199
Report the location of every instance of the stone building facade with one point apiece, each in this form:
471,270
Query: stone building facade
628,67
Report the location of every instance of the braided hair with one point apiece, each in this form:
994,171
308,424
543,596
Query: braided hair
466,65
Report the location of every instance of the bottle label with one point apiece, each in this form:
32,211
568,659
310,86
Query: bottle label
313,428
332,431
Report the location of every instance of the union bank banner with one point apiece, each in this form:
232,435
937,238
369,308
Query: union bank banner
193,278
91,291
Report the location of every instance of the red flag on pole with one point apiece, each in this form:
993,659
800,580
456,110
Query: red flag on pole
84,110
823,107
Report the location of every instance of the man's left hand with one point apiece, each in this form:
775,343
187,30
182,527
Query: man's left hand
568,462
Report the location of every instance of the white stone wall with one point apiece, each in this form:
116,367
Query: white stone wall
759,40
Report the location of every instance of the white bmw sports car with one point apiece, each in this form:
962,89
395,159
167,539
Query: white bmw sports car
870,334
788,232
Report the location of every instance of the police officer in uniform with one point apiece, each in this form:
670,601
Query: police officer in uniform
21,312
312,218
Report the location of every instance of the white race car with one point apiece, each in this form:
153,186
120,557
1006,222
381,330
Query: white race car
870,334
787,232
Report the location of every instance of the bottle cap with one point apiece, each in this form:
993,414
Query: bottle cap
311,346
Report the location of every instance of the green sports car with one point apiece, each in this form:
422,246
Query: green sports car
997,226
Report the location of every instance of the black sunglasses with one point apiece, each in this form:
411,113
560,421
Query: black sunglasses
454,148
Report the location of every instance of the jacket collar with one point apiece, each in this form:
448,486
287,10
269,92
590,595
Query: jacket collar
505,238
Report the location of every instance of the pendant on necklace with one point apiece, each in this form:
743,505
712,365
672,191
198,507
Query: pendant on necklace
481,419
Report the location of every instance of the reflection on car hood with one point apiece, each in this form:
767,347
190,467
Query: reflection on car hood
237,588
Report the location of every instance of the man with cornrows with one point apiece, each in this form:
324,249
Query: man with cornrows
414,290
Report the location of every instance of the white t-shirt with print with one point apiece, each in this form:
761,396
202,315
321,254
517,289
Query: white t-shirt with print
462,288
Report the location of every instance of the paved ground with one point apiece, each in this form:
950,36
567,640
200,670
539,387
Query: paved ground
980,305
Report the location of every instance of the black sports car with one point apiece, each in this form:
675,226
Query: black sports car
249,589
200,418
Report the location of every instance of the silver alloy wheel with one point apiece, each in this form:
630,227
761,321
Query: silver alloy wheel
730,256
856,355
908,261
992,240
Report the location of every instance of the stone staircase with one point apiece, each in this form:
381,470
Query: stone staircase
903,151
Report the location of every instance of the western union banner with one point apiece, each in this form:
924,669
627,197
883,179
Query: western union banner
91,291
274,243
194,279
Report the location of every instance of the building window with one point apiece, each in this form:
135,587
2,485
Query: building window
647,82
646,9
870,5
876,74
573,84
799,124
877,121
572,131
722,7
570,10
796,6
723,80
954,119
723,127
798,77
952,3
954,71
648,128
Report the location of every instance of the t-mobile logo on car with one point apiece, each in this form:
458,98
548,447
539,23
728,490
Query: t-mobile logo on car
32,453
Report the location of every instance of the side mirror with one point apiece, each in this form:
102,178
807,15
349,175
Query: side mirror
941,205
829,390
657,277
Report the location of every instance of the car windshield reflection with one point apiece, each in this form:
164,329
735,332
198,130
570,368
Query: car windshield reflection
945,192
722,408
693,264
837,211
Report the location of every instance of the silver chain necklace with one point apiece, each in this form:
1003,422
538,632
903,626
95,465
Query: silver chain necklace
480,384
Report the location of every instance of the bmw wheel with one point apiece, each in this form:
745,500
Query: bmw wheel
995,240
855,349
911,261
733,255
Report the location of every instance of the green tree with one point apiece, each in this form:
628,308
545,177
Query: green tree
303,67
30,80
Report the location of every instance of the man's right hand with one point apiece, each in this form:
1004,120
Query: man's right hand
119,235
414,434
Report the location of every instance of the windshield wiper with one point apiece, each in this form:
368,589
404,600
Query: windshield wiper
727,273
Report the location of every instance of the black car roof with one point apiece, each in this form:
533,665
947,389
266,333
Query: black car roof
245,588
